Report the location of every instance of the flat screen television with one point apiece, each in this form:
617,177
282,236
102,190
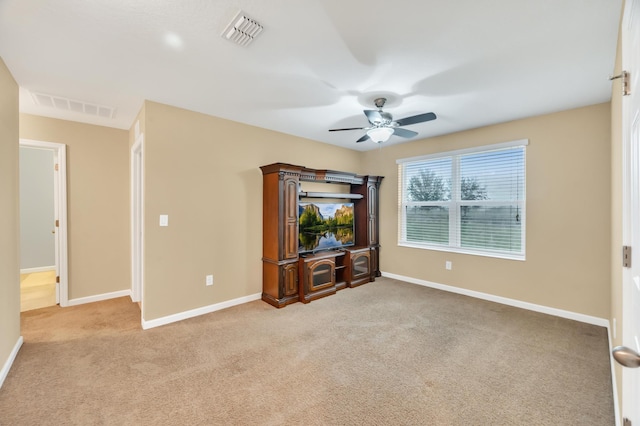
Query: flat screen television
325,226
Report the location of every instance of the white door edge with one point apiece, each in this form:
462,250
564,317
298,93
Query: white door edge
631,208
137,220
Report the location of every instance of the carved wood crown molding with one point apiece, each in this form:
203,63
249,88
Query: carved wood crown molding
312,175
283,173
330,176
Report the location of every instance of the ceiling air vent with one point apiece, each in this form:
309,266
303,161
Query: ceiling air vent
242,29
65,104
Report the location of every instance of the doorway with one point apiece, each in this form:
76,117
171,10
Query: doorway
45,230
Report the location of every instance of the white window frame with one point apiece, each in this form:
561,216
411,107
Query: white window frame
454,203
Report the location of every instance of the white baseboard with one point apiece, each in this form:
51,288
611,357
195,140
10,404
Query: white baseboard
199,311
602,322
98,297
38,269
7,365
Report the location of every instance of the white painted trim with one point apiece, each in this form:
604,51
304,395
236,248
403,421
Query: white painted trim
199,311
460,250
63,272
504,300
38,269
12,357
98,297
137,224
612,362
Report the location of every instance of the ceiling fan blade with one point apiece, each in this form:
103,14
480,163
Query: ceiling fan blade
348,128
404,132
420,118
364,138
373,116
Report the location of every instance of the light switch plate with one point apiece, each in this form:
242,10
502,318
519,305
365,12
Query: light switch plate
164,220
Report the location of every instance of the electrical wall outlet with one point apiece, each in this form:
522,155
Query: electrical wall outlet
209,280
447,265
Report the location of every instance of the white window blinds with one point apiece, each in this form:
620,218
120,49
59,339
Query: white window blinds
471,201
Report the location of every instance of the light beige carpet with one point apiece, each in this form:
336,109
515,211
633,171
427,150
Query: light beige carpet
386,353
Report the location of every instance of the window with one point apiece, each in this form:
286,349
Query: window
468,201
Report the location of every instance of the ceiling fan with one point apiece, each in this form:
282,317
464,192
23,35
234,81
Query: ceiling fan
383,126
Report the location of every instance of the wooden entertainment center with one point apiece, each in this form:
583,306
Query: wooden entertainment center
289,276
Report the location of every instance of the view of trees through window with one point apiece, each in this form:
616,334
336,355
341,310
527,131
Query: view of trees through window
471,201
427,186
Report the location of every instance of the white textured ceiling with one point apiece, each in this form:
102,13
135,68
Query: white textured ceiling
318,63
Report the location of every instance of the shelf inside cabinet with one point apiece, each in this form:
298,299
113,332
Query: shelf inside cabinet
329,195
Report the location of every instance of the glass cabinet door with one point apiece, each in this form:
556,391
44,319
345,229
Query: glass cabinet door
360,266
321,274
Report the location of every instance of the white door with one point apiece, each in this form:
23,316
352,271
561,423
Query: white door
631,284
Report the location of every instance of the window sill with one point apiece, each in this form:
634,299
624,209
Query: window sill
506,256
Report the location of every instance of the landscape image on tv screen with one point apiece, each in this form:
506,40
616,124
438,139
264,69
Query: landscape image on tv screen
324,226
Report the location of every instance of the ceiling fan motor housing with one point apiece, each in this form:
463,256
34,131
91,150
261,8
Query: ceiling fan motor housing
379,102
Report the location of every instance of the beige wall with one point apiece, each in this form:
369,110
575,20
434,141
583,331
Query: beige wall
568,214
97,201
9,216
204,173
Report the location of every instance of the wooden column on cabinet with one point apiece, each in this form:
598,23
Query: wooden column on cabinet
280,234
368,227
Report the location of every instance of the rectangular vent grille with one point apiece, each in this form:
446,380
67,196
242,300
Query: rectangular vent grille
65,104
242,30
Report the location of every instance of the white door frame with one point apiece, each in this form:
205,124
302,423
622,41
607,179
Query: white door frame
60,209
137,220
630,211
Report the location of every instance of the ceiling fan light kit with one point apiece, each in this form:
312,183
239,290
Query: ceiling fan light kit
380,134
382,124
